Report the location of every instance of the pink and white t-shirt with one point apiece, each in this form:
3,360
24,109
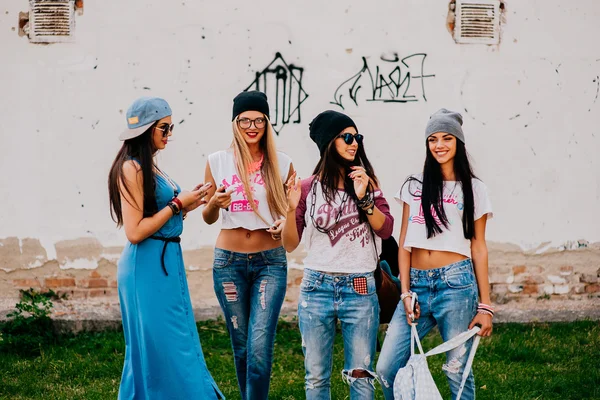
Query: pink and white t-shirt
348,246
452,238
240,214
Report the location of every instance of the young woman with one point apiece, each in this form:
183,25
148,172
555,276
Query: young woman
443,256
163,356
250,267
343,215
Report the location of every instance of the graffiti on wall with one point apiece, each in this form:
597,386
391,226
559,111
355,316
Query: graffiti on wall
394,80
282,82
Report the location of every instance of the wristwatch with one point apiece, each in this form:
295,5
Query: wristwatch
369,210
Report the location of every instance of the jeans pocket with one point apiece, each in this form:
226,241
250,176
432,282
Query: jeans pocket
308,285
461,280
276,257
221,259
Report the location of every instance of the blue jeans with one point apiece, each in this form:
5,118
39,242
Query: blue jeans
448,298
351,299
250,288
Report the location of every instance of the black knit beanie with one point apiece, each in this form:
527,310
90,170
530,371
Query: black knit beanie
250,101
326,126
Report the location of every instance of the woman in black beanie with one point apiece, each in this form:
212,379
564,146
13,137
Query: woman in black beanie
250,267
343,216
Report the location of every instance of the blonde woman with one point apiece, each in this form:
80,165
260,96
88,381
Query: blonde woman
250,266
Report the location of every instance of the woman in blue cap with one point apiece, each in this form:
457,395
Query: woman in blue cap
163,356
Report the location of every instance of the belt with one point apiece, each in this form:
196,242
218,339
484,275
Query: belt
166,240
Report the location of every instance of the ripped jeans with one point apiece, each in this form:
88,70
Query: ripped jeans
250,288
351,299
448,298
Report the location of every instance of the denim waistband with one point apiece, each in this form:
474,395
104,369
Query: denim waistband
454,268
233,255
325,277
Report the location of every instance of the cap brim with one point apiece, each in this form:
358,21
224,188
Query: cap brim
135,132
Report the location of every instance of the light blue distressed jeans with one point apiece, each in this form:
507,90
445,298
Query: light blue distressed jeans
250,288
448,298
323,300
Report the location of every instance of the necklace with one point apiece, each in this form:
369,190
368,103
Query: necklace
256,165
169,181
312,209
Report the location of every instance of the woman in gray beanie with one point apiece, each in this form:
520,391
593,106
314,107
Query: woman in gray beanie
443,256
342,214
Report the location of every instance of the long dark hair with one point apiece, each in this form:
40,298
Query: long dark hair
432,191
332,168
142,150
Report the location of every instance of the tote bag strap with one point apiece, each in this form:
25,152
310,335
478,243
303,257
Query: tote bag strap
414,334
454,343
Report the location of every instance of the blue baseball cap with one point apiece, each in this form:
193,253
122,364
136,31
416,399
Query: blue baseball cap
142,114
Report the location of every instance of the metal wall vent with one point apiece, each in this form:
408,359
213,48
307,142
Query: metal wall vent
51,21
477,21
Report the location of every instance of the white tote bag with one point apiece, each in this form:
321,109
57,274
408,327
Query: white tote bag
414,381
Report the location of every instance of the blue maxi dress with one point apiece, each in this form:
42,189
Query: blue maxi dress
163,355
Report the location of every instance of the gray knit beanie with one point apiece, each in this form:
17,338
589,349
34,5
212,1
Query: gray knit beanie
445,121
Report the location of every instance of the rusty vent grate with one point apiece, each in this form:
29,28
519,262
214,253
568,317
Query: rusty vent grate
477,22
51,20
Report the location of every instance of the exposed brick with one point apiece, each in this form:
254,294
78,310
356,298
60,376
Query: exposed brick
593,288
59,282
113,284
534,280
499,288
535,269
93,283
562,289
557,280
515,288
530,289
100,293
549,289
75,294
519,269
500,278
588,278
566,270
578,288
95,274
26,283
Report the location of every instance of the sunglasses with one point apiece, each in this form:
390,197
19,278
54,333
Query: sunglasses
349,138
165,128
246,123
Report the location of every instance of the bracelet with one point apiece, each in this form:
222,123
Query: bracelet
365,201
405,295
173,208
491,314
178,202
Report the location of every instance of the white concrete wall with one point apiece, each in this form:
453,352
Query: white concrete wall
530,105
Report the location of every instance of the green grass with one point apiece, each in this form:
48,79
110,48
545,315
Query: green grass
541,361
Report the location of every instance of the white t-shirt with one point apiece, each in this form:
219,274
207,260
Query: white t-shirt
452,238
240,214
347,247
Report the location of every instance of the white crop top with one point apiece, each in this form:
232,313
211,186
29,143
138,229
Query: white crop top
240,214
452,238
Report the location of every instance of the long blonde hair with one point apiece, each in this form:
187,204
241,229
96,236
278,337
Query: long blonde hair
276,197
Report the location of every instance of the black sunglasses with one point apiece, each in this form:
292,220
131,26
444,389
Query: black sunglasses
165,128
349,138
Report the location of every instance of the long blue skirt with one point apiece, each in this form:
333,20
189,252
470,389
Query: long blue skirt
163,355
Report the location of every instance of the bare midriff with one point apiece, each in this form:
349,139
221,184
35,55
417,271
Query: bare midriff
243,240
430,259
